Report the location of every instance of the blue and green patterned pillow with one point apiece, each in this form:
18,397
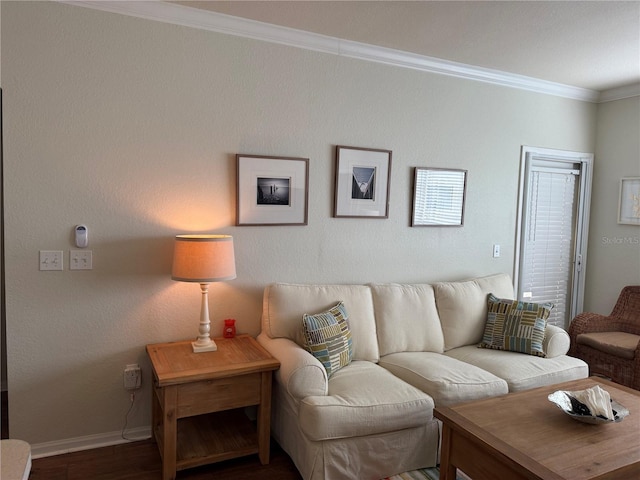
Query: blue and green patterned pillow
515,326
328,338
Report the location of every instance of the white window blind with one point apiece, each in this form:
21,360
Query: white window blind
547,264
443,200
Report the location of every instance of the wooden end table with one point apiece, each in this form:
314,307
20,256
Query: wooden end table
198,401
524,436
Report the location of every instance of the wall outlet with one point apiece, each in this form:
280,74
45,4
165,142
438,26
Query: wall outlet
51,260
496,251
132,377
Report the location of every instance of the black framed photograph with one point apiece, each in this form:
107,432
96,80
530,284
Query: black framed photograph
438,197
272,190
362,182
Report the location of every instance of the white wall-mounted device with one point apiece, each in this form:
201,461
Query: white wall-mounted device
82,236
132,377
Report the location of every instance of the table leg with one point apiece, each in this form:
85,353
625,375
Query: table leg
264,418
447,471
169,432
156,413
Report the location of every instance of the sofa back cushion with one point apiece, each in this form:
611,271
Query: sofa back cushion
284,305
407,318
462,307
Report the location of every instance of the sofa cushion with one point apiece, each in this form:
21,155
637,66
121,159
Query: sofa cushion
522,372
447,380
618,344
515,326
328,338
407,318
462,307
284,304
364,399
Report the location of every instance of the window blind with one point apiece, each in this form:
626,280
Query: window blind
547,263
444,196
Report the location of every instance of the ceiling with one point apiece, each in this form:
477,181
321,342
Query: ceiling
587,44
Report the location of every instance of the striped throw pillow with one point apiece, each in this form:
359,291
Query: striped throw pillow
515,326
328,338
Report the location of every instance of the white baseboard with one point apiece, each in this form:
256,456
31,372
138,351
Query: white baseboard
58,447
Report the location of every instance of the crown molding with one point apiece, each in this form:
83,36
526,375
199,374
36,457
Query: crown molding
230,25
626,91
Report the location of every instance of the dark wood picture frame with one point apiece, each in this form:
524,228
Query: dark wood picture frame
271,190
363,179
439,196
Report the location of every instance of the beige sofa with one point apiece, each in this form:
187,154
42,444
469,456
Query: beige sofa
414,348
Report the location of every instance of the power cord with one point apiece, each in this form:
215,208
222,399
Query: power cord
126,417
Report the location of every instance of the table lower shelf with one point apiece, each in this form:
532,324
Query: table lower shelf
213,437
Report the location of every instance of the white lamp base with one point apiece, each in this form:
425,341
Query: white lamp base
204,343
204,347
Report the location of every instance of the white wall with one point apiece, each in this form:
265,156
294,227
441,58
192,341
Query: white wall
614,250
132,126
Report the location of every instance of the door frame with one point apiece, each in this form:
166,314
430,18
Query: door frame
529,154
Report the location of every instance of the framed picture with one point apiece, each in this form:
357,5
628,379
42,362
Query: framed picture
438,197
272,190
362,182
629,203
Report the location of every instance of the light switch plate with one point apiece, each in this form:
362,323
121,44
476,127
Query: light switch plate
51,260
80,260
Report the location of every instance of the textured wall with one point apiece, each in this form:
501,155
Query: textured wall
614,250
131,127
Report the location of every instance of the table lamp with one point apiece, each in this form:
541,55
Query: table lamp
203,259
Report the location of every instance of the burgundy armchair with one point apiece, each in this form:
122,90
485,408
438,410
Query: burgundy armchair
611,344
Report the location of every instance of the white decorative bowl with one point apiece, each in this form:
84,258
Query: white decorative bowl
563,400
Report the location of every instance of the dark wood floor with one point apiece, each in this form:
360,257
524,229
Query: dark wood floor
141,461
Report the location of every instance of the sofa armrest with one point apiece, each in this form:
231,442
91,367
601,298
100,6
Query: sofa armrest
300,373
556,341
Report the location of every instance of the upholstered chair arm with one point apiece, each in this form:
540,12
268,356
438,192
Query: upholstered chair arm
556,341
300,373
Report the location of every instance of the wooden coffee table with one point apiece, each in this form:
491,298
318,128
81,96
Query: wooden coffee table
524,436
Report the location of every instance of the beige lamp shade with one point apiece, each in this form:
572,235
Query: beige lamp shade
203,258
